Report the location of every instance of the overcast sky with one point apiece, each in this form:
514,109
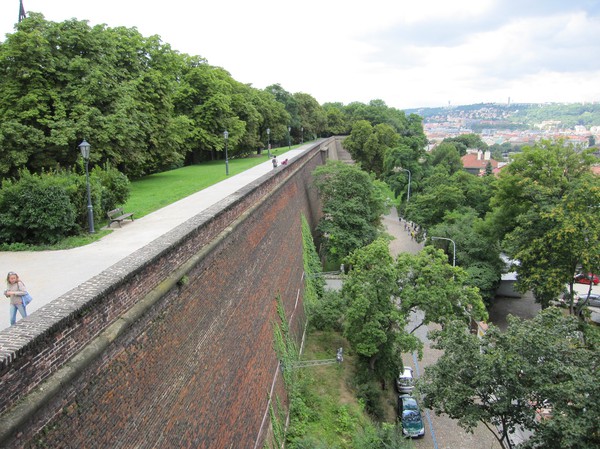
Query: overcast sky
407,53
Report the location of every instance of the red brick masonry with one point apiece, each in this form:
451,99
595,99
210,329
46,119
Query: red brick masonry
192,370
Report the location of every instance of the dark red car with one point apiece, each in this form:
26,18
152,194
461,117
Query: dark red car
583,278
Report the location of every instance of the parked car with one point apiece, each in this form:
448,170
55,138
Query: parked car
583,278
592,300
410,416
405,381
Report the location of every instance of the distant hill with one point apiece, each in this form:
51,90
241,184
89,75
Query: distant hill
516,115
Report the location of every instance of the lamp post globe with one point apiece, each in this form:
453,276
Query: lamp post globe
269,142
226,136
84,147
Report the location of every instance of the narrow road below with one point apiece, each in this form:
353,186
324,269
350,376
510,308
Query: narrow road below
447,433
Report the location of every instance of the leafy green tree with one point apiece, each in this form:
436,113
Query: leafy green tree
505,378
477,251
427,282
465,142
311,117
337,122
62,82
373,324
553,243
537,177
545,208
439,195
447,155
352,208
368,145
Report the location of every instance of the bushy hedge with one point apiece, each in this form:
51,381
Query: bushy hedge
35,209
45,208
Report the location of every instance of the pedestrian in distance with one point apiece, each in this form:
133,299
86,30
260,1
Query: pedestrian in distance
274,161
15,290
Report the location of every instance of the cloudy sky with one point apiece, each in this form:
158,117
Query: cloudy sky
408,53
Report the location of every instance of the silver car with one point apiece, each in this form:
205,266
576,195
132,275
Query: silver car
405,381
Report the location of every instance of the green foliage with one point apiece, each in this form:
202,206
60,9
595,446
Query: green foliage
352,208
37,209
545,208
323,412
368,144
285,347
115,187
48,208
383,436
466,142
477,251
327,313
448,156
429,283
315,284
369,394
504,377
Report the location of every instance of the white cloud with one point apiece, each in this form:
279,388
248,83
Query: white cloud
408,54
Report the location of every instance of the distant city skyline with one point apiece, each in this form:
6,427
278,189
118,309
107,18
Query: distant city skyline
433,53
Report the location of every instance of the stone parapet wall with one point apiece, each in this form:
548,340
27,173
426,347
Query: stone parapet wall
172,346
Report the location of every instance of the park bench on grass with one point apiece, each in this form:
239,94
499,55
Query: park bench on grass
117,215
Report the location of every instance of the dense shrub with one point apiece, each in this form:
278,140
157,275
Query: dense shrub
327,313
46,208
36,209
368,391
114,185
75,186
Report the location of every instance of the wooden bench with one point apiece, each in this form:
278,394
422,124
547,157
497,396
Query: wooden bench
117,215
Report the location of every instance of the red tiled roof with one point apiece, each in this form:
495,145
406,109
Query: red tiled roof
470,161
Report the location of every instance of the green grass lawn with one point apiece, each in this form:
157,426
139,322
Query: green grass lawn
161,189
156,191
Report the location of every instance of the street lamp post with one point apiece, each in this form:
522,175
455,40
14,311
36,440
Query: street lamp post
289,142
302,135
84,147
226,135
453,248
269,142
397,169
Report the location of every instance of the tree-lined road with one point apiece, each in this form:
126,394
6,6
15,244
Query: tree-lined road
448,434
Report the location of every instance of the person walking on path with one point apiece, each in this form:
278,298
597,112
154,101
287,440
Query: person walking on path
15,290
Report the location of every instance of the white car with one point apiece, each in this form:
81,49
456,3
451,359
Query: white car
405,381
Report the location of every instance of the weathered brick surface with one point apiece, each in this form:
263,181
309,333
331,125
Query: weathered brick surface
196,369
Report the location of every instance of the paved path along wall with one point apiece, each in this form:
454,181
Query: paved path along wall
173,346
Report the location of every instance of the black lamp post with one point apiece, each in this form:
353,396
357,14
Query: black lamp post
226,135
269,142
302,135
289,142
84,147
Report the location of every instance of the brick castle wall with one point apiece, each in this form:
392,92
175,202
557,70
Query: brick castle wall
181,332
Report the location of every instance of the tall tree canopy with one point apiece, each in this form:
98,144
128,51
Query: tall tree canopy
352,207
507,377
546,210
